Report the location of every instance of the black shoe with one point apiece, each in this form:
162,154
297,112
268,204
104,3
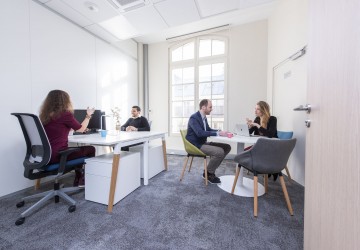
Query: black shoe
212,178
77,177
275,176
81,183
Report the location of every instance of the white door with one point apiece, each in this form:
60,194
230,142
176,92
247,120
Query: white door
332,176
289,89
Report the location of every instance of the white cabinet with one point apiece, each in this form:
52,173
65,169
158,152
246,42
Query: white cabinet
156,159
98,176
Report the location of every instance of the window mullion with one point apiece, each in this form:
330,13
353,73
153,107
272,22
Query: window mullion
196,65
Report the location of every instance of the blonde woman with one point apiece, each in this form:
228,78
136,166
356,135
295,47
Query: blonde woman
264,124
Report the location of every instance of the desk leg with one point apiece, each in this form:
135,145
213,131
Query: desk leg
114,173
164,153
37,184
240,181
240,147
146,162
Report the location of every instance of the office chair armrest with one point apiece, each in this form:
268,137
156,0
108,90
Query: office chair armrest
68,151
63,157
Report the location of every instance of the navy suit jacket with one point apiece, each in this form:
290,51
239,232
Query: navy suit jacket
196,134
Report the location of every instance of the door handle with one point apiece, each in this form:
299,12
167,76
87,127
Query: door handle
307,108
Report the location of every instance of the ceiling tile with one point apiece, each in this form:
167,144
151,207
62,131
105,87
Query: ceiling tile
145,19
69,12
177,12
120,27
105,10
213,7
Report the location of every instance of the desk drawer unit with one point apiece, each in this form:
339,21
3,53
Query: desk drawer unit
98,176
156,159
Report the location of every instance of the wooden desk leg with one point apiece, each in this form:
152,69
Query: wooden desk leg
164,153
114,173
37,184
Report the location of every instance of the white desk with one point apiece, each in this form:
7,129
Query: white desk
244,186
122,139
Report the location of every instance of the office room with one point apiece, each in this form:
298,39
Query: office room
266,49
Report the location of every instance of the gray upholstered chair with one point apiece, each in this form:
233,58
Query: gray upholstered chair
283,135
267,156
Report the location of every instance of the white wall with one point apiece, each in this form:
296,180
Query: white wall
117,81
247,76
287,35
40,51
15,76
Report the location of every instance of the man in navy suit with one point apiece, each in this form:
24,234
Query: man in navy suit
197,133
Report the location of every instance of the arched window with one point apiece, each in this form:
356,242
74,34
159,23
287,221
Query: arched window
197,71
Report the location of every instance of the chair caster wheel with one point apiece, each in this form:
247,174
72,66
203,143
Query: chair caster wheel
20,204
20,221
72,208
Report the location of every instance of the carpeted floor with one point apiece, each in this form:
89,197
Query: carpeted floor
166,214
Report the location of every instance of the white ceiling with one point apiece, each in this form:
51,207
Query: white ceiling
151,21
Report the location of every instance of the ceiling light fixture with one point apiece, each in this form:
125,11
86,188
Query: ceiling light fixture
91,6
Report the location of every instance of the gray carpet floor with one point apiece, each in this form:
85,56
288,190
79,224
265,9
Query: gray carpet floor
166,214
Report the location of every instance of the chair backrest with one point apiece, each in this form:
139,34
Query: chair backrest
38,149
285,134
268,155
190,148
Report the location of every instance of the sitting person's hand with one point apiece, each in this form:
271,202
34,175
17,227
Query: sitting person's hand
90,111
223,133
131,128
249,122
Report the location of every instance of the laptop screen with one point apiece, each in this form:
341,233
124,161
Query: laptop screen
241,129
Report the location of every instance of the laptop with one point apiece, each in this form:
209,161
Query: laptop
241,129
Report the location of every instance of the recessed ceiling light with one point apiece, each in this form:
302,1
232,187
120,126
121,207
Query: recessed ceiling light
91,6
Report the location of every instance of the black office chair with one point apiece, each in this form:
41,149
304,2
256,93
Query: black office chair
267,156
38,153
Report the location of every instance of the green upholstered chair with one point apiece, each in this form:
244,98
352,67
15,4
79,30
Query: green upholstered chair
192,152
284,135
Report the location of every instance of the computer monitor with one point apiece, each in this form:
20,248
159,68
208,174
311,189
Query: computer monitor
95,123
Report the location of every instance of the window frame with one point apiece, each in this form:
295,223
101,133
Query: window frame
196,62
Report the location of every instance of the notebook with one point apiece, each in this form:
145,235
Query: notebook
241,129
